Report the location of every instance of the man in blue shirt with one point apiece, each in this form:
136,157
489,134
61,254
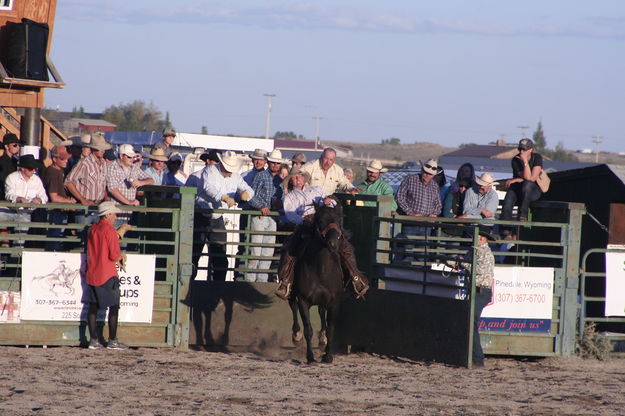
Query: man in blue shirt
267,197
481,201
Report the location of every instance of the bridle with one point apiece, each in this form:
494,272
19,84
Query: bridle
331,226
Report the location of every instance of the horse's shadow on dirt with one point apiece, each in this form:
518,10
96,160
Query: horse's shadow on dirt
205,299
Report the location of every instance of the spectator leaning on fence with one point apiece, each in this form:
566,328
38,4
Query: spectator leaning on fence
123,177
325,173
418,194
218,188
53,178
87,180
156,170
175,175
481,201
374,185
267,197
259,163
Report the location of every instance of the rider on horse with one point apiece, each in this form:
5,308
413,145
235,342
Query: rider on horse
299,210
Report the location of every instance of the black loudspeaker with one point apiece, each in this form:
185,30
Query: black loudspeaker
26,54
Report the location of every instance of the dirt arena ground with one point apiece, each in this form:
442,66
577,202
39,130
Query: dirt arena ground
147,381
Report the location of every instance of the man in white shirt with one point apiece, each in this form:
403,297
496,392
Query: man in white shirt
327,175
218,187
23,186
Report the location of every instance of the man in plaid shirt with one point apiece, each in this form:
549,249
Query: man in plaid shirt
267,196
418,196
123,177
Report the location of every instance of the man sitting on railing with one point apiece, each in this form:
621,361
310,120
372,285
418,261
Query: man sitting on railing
299,207
25,187
217,188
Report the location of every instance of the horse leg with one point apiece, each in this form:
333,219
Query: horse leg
332,314
304,311
297,332
323,338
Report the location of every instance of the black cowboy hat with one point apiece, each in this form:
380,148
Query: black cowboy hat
28,162
484,231
11,138
210,155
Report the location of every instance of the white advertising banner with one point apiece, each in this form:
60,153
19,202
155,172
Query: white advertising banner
53,285
522,300
614,284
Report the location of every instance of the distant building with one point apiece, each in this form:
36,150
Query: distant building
85,125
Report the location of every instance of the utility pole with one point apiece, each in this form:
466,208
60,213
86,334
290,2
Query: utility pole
268,115
523,128
317,141
596,140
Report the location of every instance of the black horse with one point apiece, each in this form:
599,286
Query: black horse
319,279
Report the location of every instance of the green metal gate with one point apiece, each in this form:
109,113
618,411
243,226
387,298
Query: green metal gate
164,229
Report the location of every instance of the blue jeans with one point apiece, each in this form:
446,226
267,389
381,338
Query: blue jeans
523,194
56,217
261,223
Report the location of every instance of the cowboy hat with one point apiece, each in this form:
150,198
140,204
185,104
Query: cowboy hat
98,142
10,138
28,162
486,180
230,161
169,131
484,231
275,156
293,172
211,155
431,167
128,150
376,166
158,154
259,154
108,207
299,158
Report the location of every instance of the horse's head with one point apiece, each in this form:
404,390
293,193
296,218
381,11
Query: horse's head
328,224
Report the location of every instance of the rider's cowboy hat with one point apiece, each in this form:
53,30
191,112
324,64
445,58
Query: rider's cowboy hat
275,156
98,142
295,171
376,166
230,161
486,180
158,154
431,167
259,154
108,207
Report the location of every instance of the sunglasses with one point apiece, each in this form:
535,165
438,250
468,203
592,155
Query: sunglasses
15,145
430,166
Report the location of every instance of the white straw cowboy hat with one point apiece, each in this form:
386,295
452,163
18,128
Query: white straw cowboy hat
230,161
431,167
259,154
275,156
158,154
486,180
293,172
99,143
108,207
376,166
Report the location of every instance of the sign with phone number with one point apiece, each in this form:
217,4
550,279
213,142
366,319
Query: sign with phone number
53,285
522,300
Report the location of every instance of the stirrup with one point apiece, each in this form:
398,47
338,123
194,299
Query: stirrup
364,287
283,294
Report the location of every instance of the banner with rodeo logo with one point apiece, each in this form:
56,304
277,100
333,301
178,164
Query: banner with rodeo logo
53,286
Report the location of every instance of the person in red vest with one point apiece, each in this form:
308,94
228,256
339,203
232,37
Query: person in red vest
103,257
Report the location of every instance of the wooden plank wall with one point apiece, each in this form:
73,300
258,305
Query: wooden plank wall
42,11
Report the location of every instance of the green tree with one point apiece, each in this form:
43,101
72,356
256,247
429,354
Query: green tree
78,112
539,138
136,116
204,130
393,141
560,154
288,135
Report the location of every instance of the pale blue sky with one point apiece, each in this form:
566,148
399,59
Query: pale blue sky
448,72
